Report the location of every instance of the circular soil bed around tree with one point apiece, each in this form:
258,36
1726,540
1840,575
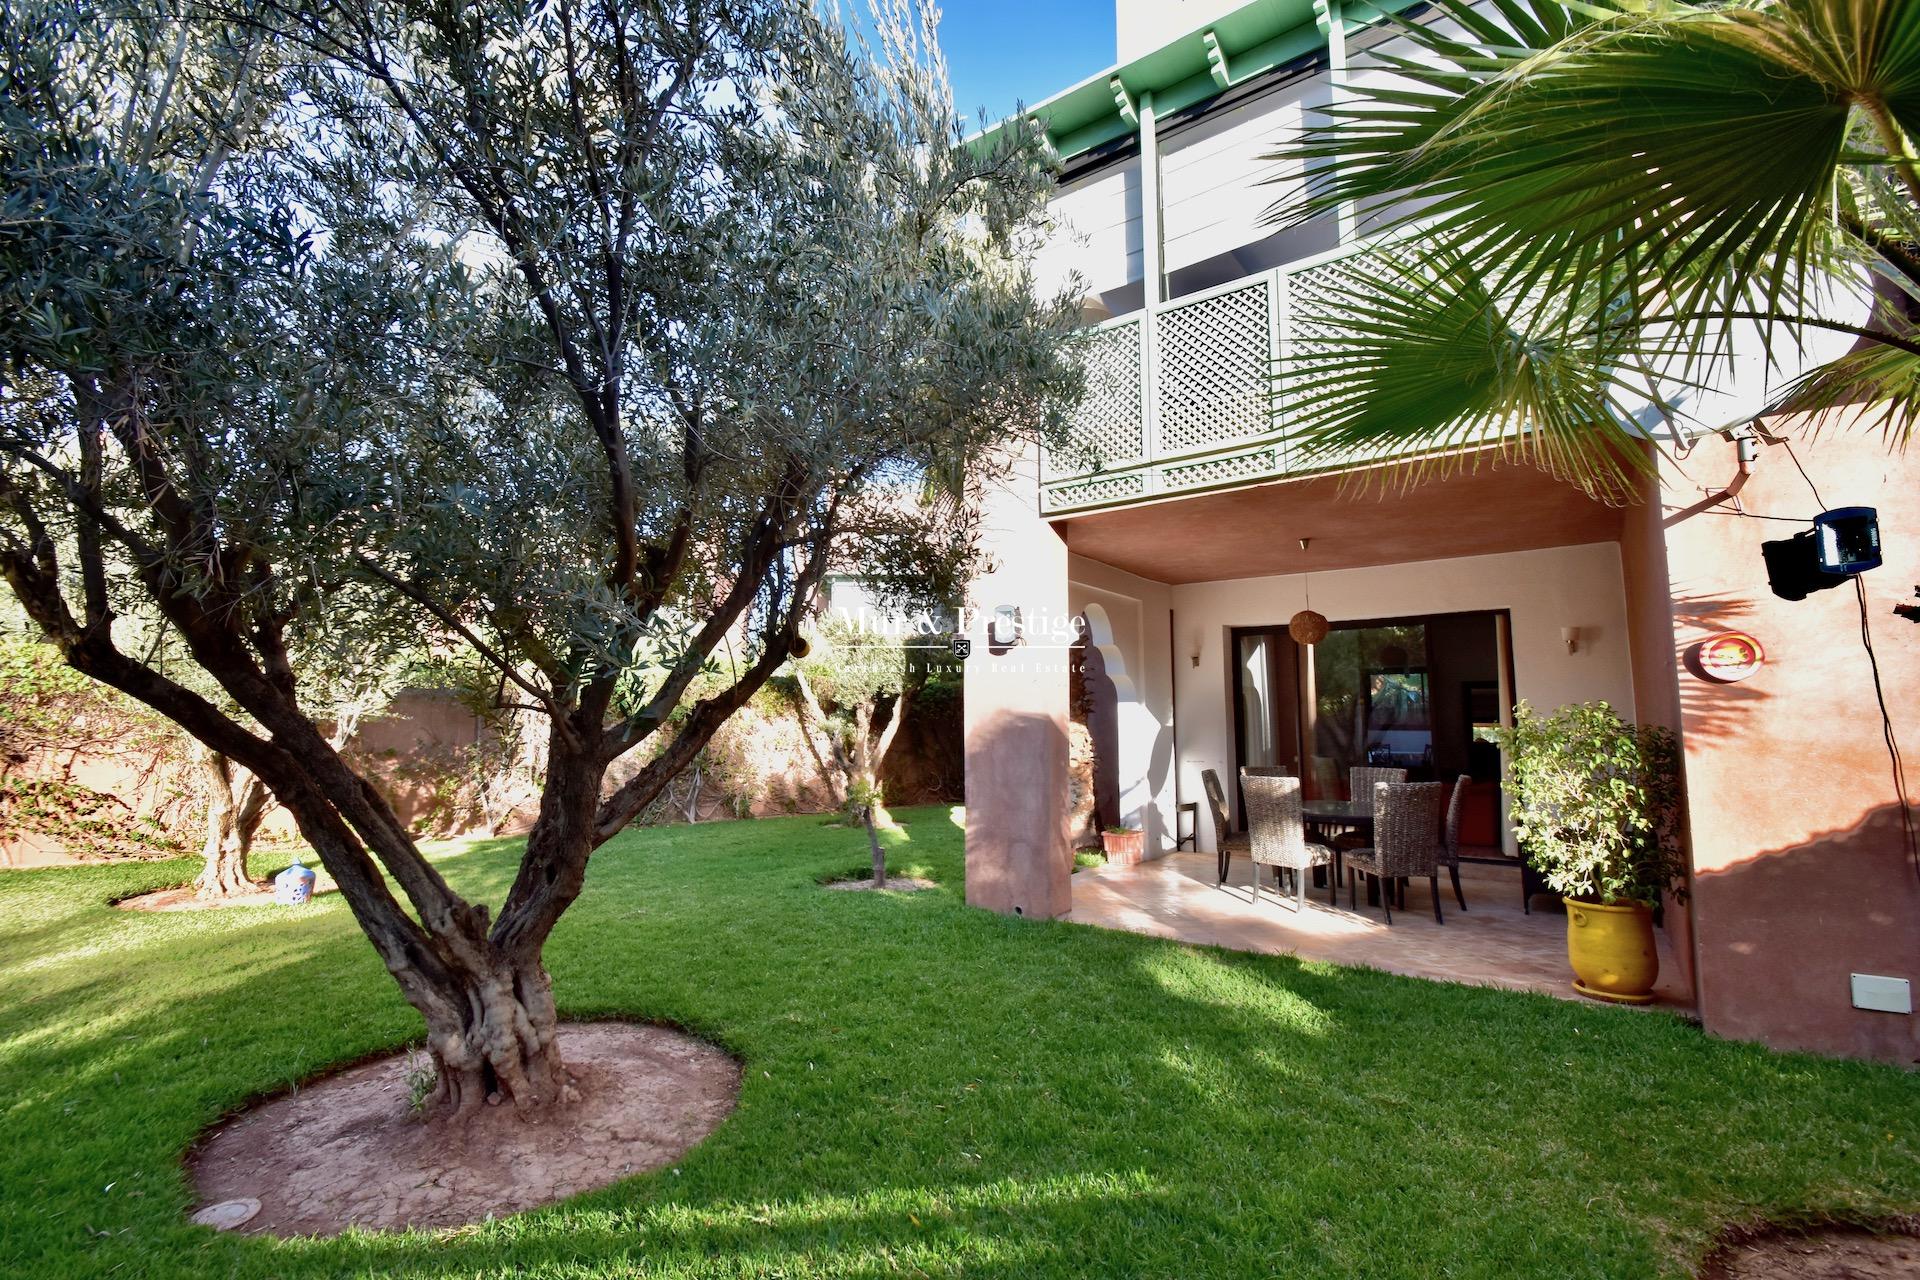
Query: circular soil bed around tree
1826,1253
186,898
895,884
348,1151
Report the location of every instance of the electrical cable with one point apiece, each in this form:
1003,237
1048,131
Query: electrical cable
1788,446
1907,826
1910,831
1802,521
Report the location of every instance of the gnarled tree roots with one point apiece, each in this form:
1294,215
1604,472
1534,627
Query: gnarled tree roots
503,1050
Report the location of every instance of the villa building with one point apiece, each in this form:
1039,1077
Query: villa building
1185,536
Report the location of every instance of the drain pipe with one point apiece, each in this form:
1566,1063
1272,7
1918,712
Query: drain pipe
1746,448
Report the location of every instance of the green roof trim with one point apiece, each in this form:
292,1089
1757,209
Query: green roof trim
1202,64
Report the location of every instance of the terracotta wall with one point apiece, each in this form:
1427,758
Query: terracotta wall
1799,874
1650,645
1018,856
419,753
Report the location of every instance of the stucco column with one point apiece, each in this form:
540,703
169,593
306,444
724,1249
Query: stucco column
1018,860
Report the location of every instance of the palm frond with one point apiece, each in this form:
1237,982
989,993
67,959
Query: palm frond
1876,386
1408,351
1638,134
1607,181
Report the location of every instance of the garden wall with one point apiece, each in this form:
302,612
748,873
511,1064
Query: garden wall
448,772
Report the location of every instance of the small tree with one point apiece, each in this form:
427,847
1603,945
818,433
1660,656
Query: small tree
565,333
853,689
853,680
1596,802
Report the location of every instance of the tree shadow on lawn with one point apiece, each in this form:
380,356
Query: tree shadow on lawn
936,1088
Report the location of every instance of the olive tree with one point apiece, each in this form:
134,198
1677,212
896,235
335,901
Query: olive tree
853,691
586,336
340,690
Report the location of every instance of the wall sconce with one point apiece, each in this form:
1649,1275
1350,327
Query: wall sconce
1572,637
1193,650
1003,630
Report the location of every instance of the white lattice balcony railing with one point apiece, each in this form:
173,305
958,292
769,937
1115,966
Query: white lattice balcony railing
1181,397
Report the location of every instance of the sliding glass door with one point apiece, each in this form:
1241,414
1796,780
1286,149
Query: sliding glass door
1419,694
1266,681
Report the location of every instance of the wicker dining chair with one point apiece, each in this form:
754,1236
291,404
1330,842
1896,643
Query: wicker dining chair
1450,847
1360,783
1227,842
1360,779
1277,830
1266,771
1406,831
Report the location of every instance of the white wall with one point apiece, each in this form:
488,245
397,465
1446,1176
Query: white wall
1138,609
1544,591
1141,26
1215,181
1095,234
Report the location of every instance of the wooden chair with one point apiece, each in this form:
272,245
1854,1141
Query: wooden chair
1406,830
1225,839
1277,832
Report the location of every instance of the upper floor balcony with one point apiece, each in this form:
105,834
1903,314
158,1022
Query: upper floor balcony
1160,219
1190,394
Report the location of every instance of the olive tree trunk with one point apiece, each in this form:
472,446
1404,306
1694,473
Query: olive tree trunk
236,803
879,850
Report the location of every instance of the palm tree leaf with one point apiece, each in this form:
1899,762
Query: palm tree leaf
1875,385
1627,181
1409,351
1637,132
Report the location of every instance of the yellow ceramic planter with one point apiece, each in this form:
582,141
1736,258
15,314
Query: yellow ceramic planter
1611,949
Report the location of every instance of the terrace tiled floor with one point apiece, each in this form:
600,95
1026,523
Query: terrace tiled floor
1492,943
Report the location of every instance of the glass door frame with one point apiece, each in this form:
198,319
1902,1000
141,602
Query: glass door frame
1503,628
1238,694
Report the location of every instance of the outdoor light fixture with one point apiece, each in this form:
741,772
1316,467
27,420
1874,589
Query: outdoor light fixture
1849,540
1003,630
1306,626
1842,543
1571,635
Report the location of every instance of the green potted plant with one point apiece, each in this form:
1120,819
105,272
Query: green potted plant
1123,845
1595,803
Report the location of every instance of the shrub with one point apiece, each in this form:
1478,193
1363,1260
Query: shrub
1595,802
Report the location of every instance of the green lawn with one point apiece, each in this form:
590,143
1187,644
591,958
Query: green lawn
930,1090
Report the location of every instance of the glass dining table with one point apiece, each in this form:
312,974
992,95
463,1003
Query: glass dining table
1328,815
1327,818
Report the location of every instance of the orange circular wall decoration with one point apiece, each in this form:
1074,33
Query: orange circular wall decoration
1729,656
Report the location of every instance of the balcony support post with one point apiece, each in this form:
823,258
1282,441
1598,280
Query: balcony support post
1151,255
1333,24
1153,280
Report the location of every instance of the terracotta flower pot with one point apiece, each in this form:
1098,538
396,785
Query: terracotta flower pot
1611,950
1123,847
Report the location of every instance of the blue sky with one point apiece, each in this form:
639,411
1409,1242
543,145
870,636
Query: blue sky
1002,52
